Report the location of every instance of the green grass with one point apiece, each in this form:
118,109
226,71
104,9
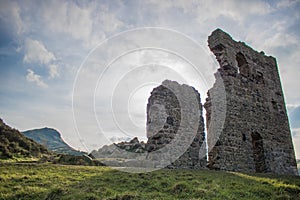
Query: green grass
19,160
48,181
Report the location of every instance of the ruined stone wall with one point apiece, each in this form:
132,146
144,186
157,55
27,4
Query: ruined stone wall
256,136
165,121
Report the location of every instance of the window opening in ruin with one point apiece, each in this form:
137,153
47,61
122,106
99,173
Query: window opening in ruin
274,104
170,120
244,137
258,152
242,64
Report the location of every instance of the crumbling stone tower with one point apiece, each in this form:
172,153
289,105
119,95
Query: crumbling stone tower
166,121
256,136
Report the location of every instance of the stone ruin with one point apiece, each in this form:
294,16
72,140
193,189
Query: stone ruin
175,132
256,135
246,117
164,119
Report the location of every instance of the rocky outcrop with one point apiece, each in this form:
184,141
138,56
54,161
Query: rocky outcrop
133,145
255,135
174,113
124,154
121,149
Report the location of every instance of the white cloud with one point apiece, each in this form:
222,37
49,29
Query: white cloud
208,10
36,52
10,13
286,3
88,24
292,106
67,18
277,40
235,14
108,20
32,77
53,71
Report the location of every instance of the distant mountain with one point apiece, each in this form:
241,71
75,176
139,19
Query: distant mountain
14,144
52,139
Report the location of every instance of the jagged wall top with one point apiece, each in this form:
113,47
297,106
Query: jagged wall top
221,42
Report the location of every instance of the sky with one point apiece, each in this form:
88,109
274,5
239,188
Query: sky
86,68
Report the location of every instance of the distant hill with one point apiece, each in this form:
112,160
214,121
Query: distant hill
52,139
14,144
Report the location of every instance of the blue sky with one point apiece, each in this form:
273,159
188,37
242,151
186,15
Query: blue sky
44,43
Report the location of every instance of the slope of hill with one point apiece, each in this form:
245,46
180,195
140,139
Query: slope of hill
13,144
52,140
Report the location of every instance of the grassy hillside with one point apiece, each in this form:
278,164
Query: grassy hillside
46,181
13,144
52,139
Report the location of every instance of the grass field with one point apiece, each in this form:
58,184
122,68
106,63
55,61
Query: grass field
48,181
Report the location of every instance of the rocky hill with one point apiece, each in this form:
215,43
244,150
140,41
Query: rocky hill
52,139
14,144
119,150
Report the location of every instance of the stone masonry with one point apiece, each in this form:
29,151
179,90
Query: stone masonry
256,135
164,119
246,119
